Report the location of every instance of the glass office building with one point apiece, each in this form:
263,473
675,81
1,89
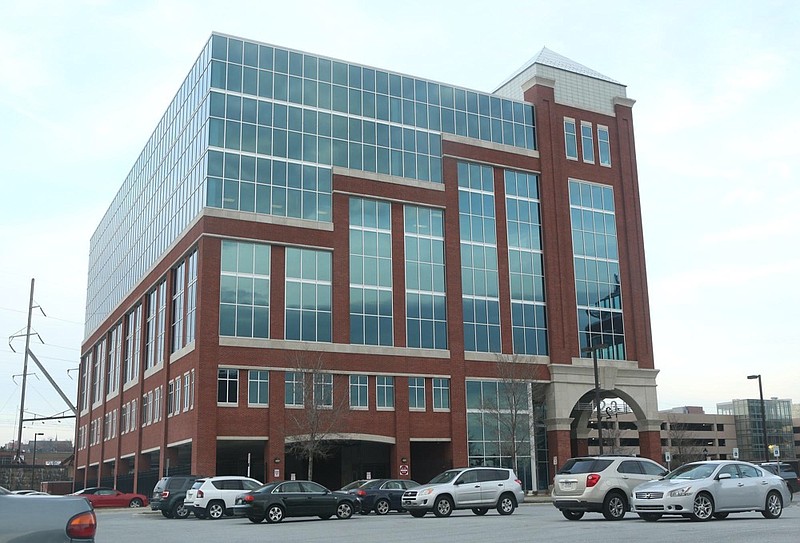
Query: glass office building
306,237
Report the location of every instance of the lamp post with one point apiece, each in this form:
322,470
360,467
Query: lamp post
763,415
33,467
593,349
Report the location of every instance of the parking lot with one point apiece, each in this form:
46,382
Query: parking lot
530,522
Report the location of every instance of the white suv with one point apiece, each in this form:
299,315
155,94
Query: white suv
477,488
214,497
601,484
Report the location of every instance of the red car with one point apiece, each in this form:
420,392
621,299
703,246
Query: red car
100,496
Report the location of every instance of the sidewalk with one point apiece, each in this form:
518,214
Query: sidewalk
542,497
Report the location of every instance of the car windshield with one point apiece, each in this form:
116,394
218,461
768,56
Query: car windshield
373,484
4,490
692,471
445,477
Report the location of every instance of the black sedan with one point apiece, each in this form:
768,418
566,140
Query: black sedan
382,495
275,501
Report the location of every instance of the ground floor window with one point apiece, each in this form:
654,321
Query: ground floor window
506,433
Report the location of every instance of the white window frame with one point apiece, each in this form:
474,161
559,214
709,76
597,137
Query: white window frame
441,385
359,384
413,384
570,121
587,135
258,400
601,143
385,382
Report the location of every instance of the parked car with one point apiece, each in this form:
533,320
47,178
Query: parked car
100,496
712,489
382,495
169,494
277,500
476,488
786,472
68,519
215,497
23,492
601,484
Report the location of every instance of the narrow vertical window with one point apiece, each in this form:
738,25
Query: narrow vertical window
479,271
370,272
178,280
570,139
441,393
228,386
384,392
603,145
191,298
587,142
293,389
426,302
416,393
358,392
323,389
258,387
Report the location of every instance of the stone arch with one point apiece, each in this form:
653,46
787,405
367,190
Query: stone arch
571,393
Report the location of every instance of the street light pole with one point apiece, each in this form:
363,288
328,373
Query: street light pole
33,467
593,349
763,415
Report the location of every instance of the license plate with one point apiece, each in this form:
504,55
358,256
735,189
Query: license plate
567,485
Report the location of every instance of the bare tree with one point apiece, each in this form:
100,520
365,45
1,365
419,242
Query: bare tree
683,446
517,395
312,430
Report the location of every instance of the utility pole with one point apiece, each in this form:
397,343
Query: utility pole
24,376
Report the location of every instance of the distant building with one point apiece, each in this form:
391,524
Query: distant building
749,427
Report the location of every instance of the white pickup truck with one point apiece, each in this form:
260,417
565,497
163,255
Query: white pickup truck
46,519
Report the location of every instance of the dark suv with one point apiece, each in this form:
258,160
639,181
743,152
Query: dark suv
169,493
786,472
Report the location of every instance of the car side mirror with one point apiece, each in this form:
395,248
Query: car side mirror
722,476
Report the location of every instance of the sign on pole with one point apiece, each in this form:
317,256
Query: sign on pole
736,453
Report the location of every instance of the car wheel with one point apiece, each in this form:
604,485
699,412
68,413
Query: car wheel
614,506
417,513
274,514
215,510
703,507
480,511
166,514
344,510
179,510
136,502
720,516
255,520
650,517
506,504
382,506
572,515
442,507
774,506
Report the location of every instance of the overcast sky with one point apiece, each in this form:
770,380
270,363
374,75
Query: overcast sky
717,118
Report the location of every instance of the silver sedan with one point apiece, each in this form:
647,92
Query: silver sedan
712,489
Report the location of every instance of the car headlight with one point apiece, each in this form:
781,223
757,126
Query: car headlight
425,492
679,492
